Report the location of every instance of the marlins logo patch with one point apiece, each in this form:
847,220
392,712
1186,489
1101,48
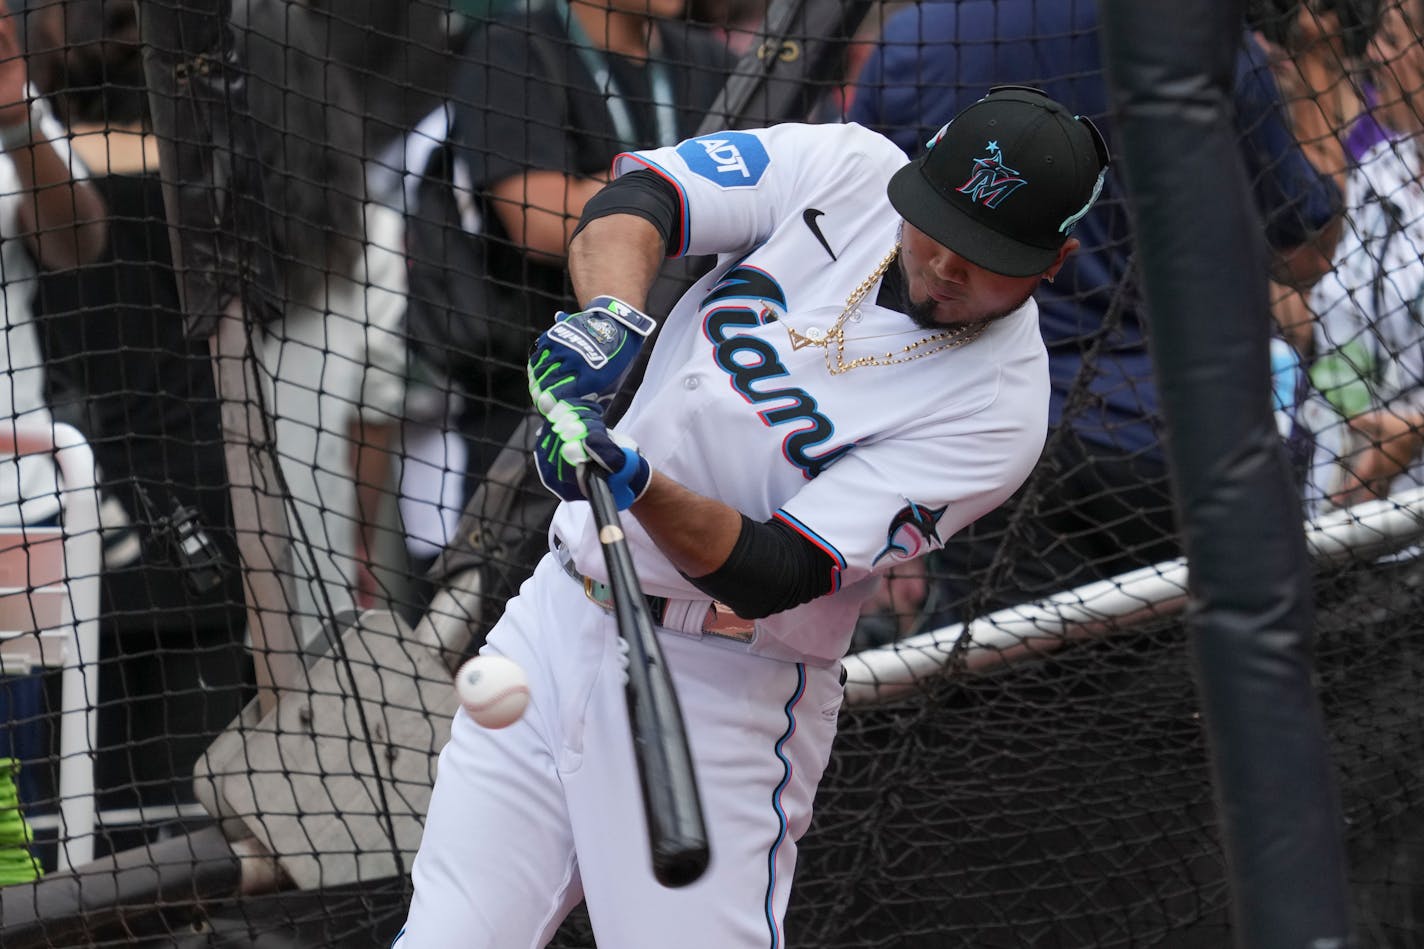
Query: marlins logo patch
913,530
991,181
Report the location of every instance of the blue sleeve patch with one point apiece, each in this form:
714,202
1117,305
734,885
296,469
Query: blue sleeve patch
727,159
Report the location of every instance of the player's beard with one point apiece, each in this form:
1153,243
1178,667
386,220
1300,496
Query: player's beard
923,312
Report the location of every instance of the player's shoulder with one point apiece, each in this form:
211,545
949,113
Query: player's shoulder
850,137
788,152
835,145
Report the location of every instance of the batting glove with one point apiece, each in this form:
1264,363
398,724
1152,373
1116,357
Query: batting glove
574,436
588,354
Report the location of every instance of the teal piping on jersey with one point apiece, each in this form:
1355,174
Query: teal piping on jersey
771,922
684,235
398,938
838,561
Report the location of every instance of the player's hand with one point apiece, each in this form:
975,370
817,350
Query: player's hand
588,354
573,437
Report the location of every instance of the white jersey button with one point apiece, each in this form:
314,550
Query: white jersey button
815,334
691,382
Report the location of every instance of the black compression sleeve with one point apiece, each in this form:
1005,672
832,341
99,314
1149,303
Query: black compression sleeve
645,194
771,568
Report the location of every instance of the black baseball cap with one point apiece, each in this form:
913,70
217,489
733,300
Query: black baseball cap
1003,183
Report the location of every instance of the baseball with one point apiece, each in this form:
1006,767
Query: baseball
493,689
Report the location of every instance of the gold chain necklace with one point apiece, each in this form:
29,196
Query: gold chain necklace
833,340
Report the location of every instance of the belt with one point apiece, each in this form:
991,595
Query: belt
691,617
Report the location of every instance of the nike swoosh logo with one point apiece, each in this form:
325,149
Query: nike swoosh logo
809,216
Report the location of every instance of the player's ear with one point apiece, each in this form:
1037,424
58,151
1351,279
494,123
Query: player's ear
1069,246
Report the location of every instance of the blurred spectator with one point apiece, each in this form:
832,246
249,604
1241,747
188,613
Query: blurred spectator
836,104
1368,347
546,98
398,57
335,364
452,335
174,670
1099,503
49,215
1396,56
543,101
735,22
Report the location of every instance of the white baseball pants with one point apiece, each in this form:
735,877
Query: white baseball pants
526,821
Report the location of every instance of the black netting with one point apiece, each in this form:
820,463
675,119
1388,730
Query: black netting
278,265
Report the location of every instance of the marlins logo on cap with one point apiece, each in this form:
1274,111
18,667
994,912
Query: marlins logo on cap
991,180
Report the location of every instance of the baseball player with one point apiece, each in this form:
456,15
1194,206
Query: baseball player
859,377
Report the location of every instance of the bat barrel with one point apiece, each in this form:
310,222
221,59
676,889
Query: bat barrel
673,806
677,833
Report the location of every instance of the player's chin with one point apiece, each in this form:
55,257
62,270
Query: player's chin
947,314
952,316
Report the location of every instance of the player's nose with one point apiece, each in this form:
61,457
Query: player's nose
948,266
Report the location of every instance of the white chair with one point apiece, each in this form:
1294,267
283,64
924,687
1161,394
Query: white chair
49,616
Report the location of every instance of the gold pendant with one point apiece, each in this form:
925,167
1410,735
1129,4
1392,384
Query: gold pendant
799,341
816,336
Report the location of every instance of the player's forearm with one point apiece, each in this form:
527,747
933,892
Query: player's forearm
619,256
696,533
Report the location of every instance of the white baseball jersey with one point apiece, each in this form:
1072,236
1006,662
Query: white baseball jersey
875,465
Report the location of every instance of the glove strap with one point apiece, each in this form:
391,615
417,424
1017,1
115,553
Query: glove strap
624,313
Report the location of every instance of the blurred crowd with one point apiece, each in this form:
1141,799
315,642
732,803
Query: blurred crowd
425,165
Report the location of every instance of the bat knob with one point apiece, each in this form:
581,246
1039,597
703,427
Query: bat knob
682,866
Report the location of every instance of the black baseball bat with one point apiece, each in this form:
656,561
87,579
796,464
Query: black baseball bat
671,802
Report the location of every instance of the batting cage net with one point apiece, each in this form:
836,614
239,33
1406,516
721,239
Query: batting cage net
270,273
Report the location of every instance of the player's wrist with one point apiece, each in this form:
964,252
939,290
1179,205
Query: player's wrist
630,482
588,354
624,313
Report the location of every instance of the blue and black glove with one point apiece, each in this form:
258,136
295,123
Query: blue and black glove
588,354
574,436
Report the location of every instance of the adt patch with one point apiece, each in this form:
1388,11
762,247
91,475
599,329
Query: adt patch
727,159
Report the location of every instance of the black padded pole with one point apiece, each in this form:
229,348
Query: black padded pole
1203,261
